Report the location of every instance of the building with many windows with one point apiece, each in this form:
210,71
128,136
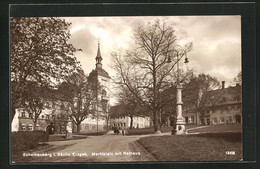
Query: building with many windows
221,106
59,117
23,122
125,122
226,106
122,115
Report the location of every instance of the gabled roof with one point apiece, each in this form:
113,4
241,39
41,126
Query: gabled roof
230,95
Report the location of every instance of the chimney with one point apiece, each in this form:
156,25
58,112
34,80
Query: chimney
223,84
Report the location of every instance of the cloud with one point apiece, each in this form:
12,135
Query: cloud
216,40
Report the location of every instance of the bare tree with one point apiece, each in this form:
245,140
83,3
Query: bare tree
78,97
197,93
168,96
238,78
128,104
145,71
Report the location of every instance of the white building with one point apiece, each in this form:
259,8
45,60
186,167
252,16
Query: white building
100,78
125,122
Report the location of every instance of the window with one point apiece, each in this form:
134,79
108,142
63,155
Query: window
192,119
229,119
23,114
93,127
30,127
215,121
237,98
37,127
47,117
186,119
87,127
222,119
23,128
42,116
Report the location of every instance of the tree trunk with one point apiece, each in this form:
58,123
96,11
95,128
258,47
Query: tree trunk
131,122
78,128
13,112
107,124
155,123
34,125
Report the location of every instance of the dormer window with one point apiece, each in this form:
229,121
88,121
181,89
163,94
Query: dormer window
237,98
104,93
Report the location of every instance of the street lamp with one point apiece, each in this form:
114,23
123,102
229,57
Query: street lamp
105,109
180,123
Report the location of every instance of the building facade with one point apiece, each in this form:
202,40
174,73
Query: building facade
100,79
22,120
122,114
55,115
223,106
125,122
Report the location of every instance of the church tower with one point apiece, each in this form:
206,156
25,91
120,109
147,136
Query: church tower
99,58
100,79
99,72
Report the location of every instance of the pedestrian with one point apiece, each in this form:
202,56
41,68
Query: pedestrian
123,132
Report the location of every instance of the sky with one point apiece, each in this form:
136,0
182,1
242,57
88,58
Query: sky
216,41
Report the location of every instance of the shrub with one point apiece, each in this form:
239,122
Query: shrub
25,140
140,131
149,130
99,133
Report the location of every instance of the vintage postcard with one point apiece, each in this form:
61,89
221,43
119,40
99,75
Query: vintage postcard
126,88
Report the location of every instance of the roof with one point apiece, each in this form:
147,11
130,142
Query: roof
100,72
225,96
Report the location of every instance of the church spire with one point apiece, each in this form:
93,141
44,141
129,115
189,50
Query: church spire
99,58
